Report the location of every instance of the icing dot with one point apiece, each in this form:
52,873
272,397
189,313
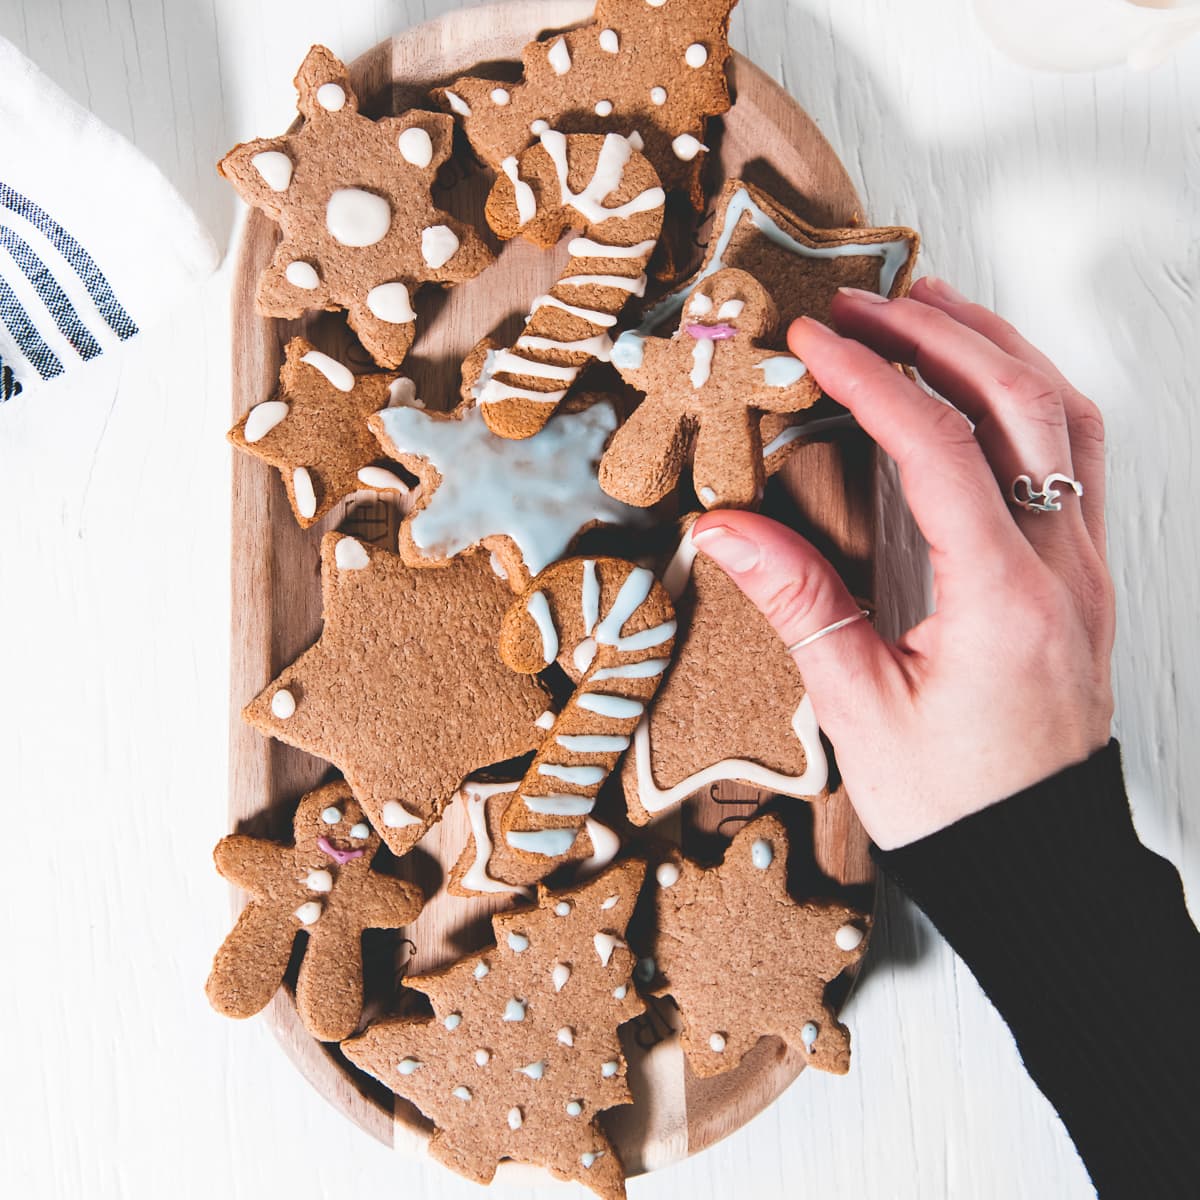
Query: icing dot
695,55
717,1043
559,974
645,970
305,493
574,1108
331,815
658,95
500,97
302,275
361,830
707,495
559,57
566,1035
416,146
667,874
518,942
538,127
562,908
396,816
390,302
636,140
439,244
308,912
609,42
351,555
583,654
457,103
656,3
610,902
319,881
514,1010
588,1157
463,1093
546,720
848,937
331,97
808,1034
609,1069
357,218
453,1021
515,1120
481,969
535,1070
730,310
605,944
619,993
482,1058
604,108
406,1066
381,479
275,167
762,854
262,418
687,147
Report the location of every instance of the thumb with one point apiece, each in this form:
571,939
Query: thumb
800,593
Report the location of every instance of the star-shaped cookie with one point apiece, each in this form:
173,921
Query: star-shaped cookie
522,1052
737,922
314,430
404,691
352,198
704,728
525,500
323,884
639,66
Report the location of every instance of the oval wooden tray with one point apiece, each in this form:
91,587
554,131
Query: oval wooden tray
767,139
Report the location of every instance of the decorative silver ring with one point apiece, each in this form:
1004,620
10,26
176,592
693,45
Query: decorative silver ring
812,637
1024,495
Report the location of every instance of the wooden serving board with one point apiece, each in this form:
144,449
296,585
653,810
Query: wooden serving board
768,140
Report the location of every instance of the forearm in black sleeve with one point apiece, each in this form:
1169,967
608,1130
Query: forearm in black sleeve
1081,938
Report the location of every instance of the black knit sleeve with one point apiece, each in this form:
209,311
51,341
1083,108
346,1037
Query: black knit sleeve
1081,938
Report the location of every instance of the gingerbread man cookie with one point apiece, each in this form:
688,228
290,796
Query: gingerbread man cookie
314,430
322,884
781,954
522,1054
707,387
352,198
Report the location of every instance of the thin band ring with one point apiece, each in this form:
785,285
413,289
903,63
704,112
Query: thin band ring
1024,495
812,637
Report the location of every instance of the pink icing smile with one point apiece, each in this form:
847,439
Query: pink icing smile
712,333
341,857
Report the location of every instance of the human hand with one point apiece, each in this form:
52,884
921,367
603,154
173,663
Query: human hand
1007,682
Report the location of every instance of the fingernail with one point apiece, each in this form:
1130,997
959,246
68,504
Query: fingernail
732,551
859,294
939,287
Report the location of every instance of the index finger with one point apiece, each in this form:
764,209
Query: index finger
946,479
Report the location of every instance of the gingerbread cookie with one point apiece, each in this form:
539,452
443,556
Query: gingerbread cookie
526,501
780,954
701,728
611,626
314,430
404,691
522,1053
322,884
603,187
706,388
640,68
352,198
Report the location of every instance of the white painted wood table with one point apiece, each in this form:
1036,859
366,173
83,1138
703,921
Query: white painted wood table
1071,204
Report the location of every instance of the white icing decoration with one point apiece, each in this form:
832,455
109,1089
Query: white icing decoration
619,708
589,597
391,302
514,1010
559,57
566,1036
579,776
667,874
599,346
806,429
562,908
605,944
356,217
635,285
500,573
308,912
551,843
338,374
636,141
494,390
695,55
350,555
717,1043
396,816
331,97
700,305
560,806
588,1157
703,350
439,244
632,595
416,147
593,316
406,1066
546,720
619,993
515,1119
609,1069
262,418
559,974
582,247
762,853
453,1021
584,654
610,166
610,902
538,127
304,492
781,370
478,496
707,495
535,1070
646,669
538,608
848,937
686,147
518,943
475,877
730,310
604,108
593,743
507,362
457,103
658,95
462,1093
482,1057
808,1034
500,97
481,970
609,42
331,815
360,830
275,167
605,845
319,881
302,275
380,479
574,1108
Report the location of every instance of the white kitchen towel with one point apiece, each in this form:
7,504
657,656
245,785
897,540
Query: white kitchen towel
94,242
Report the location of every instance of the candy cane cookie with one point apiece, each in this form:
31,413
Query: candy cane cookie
611,626
604,187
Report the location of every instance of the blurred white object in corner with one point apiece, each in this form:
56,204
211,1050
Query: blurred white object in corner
1083,35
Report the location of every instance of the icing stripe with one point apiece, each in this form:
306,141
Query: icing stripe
494,390
632,595
514,364
579,776
582,247
552,843
593,743
641,670
634,284
592,315
559,805
606,705
589,595
599,346
538,608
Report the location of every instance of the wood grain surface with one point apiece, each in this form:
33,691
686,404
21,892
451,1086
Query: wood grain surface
765,138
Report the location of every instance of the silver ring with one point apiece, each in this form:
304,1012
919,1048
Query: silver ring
812,637
1024,495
